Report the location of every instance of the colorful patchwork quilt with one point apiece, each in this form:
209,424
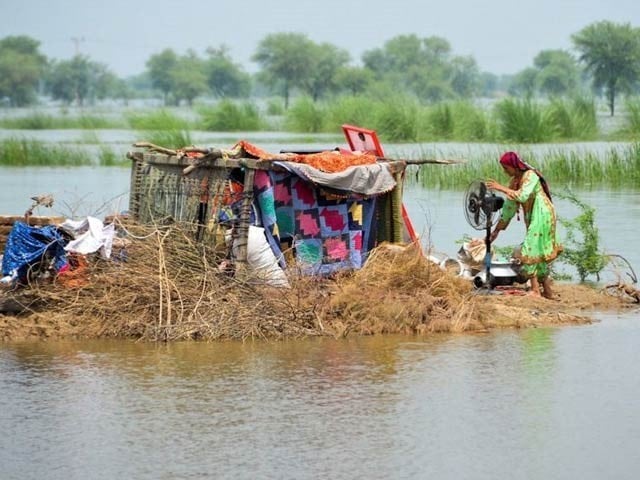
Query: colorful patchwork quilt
326,233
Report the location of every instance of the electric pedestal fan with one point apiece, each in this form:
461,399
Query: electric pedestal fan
480,209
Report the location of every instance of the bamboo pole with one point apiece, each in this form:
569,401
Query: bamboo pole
396,210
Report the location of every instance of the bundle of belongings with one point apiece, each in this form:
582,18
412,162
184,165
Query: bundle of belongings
43,251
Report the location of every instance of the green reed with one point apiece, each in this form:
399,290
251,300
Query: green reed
108,158
632,106
167,138
523,121
20,152
41,121
615,168
352,110
275,107
229,116
437,122
572,119
157,120
305,116
396,120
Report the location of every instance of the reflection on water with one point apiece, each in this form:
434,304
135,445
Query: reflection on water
532,404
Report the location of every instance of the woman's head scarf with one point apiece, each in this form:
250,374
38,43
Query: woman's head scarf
511,159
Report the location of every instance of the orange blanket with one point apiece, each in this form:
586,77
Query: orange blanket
329,161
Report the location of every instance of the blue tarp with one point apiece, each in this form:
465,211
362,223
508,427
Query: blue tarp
27,245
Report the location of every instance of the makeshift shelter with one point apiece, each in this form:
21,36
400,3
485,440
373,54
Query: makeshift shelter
323,210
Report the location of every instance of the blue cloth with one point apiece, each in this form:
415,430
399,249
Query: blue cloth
27,245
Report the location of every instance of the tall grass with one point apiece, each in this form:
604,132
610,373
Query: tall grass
573,119
305,116
353,110
275,106
396,117
168,138
156,120
20,152
397,120
523,121
161,127
41,121
437,122
108,158
614,169
632,107
228,116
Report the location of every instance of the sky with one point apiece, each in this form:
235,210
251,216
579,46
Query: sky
503,36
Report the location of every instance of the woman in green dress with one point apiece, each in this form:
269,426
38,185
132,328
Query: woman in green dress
529,191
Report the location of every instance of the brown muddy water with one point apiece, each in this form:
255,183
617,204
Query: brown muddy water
556,403
540,403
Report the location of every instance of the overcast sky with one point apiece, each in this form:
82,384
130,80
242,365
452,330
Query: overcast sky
503,35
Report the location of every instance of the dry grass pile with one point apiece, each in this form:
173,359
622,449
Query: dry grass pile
400,291
171,288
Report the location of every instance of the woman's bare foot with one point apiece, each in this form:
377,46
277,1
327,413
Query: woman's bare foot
535,287
546,289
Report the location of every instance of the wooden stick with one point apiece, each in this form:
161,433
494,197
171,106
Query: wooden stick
423,161
155,148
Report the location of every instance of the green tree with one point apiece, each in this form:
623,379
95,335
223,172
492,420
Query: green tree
284,59
188,78
224,77
397,55
524,83
465,76
22,66
106,84
78,80
160,67
489,84
324,62
429,84
424,67
354,80
558,72
611,54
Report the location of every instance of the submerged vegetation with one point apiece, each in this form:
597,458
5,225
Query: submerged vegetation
42,121
618,167
396,117
20,152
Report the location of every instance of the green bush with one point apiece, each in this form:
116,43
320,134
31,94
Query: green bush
26,152
157,120
305,116
228,116
523,121
582,243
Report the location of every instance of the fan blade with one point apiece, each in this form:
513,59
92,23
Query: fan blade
476,217
473,203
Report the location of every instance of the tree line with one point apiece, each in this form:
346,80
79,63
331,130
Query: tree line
605,62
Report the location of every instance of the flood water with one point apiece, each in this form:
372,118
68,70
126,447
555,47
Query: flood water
552,403
542,403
